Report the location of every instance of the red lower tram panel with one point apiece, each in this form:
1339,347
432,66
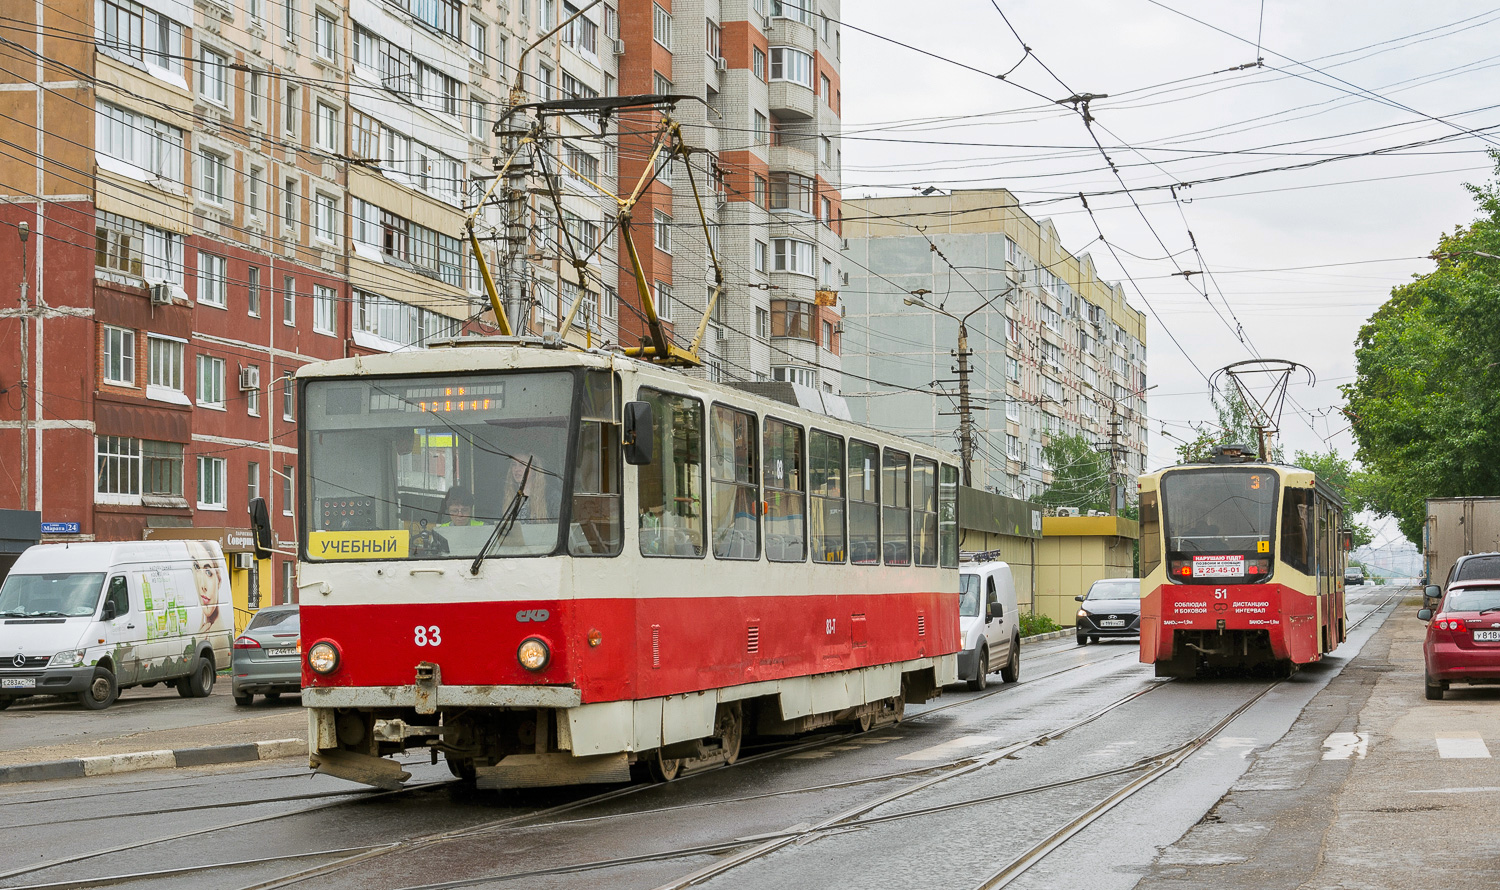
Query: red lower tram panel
614,649
1185,628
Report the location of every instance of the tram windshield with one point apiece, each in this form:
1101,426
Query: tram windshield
433,467
1219,523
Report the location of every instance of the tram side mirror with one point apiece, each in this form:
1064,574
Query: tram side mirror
260,527
636,435
1424,614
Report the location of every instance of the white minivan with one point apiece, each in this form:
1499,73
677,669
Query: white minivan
90,619
988,623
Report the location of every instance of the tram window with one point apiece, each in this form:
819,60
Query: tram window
895,511
948,516
1296,528
596,529
736,529
924,520
1150,534
786,520
1322,542
825,474
864,503
670,488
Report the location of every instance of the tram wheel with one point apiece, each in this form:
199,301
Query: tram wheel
462,768
663,769
731,728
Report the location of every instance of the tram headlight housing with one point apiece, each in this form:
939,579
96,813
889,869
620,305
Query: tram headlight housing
533,654
323,658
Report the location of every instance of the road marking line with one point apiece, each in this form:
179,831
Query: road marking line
1461,745
947,750
810,755
1485,789
1344,745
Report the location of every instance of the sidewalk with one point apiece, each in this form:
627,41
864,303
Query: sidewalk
126,737
1374,787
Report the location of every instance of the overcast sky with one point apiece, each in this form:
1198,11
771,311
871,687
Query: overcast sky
1347,230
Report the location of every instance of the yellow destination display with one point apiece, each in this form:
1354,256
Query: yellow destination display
359,545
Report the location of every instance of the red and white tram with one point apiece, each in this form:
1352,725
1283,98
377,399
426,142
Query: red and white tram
1242,566
552,565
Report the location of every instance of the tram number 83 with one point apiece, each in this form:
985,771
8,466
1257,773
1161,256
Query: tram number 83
432,635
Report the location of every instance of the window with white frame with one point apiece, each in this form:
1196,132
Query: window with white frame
1013,448
791,65
324,309
288,397
127,29
164,363
325,217
117,469
544,77
762,252
289,110
661,83
398,322
582,33
796,10
478,40
827,278
478,120
134,248
661,25
711,42
663,298
289,300
762,129
663,231
252,396
213,76
211,382
763,323
793,255
257,189
758,63
211,483
119,356
213,279
289,208
326,127
252,481
325,36
255,12
213,181
153,147
289,20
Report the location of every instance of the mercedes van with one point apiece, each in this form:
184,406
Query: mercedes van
90,619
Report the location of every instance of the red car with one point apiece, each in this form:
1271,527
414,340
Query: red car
1463,638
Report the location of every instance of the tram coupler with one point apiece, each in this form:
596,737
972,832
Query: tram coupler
429,678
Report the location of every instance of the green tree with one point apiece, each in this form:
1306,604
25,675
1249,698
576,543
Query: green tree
1341,476
1080,474
1234,428
1425,404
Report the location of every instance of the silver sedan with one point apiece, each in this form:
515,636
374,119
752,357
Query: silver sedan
267,656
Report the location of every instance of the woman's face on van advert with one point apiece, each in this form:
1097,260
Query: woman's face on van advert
207,581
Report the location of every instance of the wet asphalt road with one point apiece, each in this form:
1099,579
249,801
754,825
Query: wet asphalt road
960,822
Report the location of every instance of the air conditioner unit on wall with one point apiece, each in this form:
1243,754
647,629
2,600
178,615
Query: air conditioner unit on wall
249,378
244,560
720,64
161,294
1067,511
619,47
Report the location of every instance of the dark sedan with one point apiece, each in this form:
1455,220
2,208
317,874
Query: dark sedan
1111,608
267,657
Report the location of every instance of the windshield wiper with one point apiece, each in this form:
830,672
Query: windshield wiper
1489,610
507,521
14,613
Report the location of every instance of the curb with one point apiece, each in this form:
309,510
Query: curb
1052,635
110,764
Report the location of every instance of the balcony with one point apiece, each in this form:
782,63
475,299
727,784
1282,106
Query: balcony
792,100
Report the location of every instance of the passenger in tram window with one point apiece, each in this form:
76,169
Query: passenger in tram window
458,506
543,495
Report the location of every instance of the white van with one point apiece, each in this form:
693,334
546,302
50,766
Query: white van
91,619
988,625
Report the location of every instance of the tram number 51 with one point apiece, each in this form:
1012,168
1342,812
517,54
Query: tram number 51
1220,593
432,635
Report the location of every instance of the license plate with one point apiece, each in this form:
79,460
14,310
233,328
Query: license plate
1111,622
1218,566
1487,636
278,653
18,683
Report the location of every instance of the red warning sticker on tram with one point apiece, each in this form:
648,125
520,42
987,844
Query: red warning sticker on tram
1218,566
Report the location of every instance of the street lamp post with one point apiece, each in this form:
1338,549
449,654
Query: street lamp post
24,229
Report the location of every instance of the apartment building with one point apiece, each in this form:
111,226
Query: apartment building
218,192
762,77
1056,351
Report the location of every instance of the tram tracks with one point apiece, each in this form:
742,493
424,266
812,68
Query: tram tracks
347,857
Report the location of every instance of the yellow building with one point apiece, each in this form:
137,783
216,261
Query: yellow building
1073,553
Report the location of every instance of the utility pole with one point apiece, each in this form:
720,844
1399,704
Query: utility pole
965,409
25,313
1114,452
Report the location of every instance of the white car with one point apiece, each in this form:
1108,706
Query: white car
988,624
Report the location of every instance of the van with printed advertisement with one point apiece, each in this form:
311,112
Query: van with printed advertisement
90,619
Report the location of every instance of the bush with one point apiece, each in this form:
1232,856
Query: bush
1033,624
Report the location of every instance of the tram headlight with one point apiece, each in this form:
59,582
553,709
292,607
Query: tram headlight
323,658
533,654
